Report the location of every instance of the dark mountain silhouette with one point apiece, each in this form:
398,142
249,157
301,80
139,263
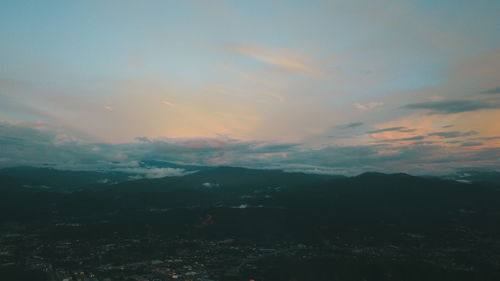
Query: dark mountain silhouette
62,180
312,199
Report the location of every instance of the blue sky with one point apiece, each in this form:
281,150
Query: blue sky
293,72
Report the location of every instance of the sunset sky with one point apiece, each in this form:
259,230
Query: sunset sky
317,86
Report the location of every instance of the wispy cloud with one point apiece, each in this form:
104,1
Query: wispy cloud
453,134
492,91
471,144
283,59
352,125
489,138
392,129
403,139
168,103
367,106
153,172
454,106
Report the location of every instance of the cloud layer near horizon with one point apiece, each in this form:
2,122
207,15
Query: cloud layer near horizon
26,145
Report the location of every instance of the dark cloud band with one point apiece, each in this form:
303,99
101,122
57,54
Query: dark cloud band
454,106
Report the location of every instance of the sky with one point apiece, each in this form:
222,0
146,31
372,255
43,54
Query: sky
336,87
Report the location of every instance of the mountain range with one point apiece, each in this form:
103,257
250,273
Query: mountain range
421,225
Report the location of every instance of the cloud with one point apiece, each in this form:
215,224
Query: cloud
352,125
9,141
26,145
404,139
367,106
283,59
489,138
210,185
453,106
414,158
143,139
169,103
154,173
471,144
492,91
453,134
393,129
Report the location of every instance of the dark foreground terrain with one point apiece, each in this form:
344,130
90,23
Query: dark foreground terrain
242,224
